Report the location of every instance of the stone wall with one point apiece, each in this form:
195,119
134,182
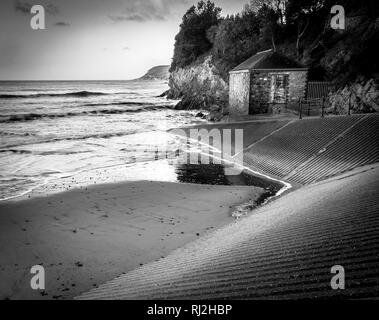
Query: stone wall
260,89
297,85
262,86
239,93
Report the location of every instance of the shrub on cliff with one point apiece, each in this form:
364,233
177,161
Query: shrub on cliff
192,41
233,41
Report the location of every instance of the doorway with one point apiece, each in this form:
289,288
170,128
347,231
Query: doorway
279,88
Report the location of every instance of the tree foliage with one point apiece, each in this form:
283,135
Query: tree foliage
192,41
301,29
239,36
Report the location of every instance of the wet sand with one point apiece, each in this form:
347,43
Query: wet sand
86,236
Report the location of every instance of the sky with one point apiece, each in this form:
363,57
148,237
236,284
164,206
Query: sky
91,39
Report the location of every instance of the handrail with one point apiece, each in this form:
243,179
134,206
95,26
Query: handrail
320,104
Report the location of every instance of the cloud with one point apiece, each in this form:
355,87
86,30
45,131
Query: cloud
62,24
119,18
146,10
52,9
24,7
125,48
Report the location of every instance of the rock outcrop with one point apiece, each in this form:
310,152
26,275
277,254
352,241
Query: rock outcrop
199,87
362,95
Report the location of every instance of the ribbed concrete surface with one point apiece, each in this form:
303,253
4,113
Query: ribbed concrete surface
283,250
357,147
288,148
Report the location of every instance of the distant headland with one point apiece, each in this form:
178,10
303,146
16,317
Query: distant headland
157,73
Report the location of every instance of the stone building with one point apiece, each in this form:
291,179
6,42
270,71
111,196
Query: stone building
264,82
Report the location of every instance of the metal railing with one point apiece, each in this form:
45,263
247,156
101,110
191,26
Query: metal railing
311,107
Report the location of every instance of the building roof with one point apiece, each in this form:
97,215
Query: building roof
268,60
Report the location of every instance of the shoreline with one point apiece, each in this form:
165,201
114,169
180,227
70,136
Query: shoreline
84,237
78,265
244,208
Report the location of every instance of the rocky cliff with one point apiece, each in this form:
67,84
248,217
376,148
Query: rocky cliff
199,87
361,96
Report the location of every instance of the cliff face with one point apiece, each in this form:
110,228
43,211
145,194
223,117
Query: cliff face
157,73
345,56
199,87
362,96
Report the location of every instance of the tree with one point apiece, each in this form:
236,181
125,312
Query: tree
271,14
269,27
234,39
278,6
192,40
300,15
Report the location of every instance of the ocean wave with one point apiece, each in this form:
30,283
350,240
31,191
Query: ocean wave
16,151
37,116
43,153
122,103
66,94
10,147
16,134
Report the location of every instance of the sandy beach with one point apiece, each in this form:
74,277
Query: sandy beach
283,250
86,236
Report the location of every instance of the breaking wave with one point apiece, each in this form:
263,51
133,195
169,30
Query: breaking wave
122,103
67,94
9,147
37,116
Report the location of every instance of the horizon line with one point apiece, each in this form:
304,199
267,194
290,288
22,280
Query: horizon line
56,80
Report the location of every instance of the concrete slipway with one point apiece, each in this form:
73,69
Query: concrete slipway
286,248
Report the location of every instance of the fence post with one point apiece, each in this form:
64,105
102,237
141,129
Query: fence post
349,106
322,107
309,108
286,102
300,109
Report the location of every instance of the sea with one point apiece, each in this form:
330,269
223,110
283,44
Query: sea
61,135
87,131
